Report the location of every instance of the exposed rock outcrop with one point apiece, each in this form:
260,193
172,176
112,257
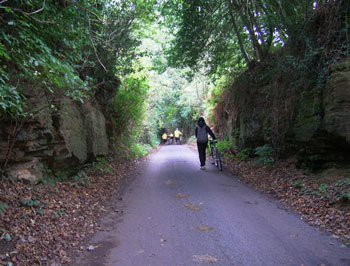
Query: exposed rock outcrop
61,139
337,101
298,98
31,172
322,122
313,123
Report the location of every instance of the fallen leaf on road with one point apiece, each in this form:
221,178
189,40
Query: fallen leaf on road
181,196
200,258
140,251
89,248
204,228
170,182
192,207
294,236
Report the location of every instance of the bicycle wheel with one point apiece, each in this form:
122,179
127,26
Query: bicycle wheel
211,148
215,161
218,162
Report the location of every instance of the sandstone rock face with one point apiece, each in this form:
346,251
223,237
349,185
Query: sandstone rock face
96,136
250,128
322,123
61,138
72,128
314,125
337,101
31,172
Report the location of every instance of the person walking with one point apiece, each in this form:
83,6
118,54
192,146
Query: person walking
201,133
171,138
177,135
164,138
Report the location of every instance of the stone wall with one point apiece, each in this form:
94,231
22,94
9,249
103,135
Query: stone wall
61,139
321,125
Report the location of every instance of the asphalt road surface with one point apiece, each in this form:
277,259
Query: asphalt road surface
175,214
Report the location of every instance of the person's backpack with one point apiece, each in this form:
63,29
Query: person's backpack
202,135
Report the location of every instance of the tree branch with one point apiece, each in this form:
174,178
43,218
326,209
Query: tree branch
93,44
29,14
239,37
37,11
26,13
86,10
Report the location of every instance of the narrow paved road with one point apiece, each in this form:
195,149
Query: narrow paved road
175,214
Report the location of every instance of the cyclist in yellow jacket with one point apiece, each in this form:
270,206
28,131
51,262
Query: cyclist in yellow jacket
177,135
164,138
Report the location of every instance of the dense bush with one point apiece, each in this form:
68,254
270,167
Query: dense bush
226,146
265,154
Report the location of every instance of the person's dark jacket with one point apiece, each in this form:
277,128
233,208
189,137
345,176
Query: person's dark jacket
201,123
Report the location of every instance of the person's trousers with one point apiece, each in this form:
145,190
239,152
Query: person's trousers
201,150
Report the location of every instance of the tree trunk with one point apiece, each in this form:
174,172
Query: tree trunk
239,37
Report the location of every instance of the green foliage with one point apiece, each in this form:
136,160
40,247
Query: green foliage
129,103
148,135
229,145
225,146
127,148
176,100
192,139
323,189
129,114
60,212
29,203
298,184
82,179
7,237
221,33
265,154
39,211
35,205
339,192
49,178
32,46
345,196
87,47
11,103
228,36
3,207
139,150
101,164
244,154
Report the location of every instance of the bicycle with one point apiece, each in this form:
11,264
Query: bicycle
215,154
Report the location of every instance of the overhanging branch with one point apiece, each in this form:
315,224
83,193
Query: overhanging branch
94,46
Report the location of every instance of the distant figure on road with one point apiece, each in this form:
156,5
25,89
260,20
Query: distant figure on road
177,135
164,137
171,138
201,133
